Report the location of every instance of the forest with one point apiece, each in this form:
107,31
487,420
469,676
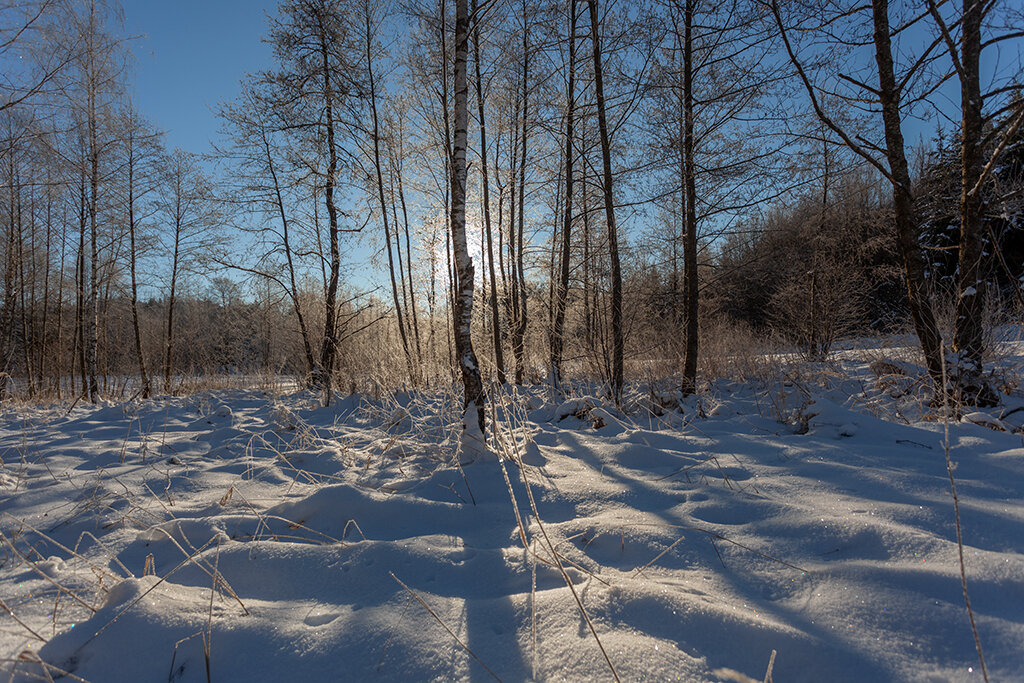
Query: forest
640,183
629,259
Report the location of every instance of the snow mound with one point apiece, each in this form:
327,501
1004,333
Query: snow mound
985,420
283,418
345,550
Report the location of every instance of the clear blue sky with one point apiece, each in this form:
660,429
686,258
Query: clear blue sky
189,56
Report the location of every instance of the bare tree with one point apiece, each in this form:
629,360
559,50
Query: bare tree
891,161
264,185
561,296
313,44
518,274
370,24
96,76
609,210
190,211
965,52
141,152
9,300
472,384
25,39
689,173
499,358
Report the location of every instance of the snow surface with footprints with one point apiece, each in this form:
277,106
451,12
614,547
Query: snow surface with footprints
239,536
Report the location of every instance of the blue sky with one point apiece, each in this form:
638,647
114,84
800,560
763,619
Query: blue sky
189,56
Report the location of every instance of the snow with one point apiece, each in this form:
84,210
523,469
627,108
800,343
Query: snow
473,442
270,539
985,420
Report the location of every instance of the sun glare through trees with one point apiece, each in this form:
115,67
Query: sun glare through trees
524,339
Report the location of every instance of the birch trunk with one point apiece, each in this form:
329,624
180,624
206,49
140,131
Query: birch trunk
472,384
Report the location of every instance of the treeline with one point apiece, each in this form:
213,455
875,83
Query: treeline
513,190
824,267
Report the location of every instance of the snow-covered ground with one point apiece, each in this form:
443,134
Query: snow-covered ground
240,536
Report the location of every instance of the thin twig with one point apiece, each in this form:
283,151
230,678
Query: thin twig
959,532
558,562
771,665
45,576
208,636
14,616
393,630
440,621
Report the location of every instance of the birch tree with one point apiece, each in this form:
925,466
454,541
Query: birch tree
472,384
95,87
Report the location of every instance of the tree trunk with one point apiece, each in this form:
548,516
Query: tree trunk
83,223
904,212
147,388
92,308
410,366
401,259
690,284
9,295
169,343
512,281
903,200
59,369
609,210
329,347
307,347
43,358
449,264
519,333
562,294
499,356
969,338
589,290
26,289
412,310
471,381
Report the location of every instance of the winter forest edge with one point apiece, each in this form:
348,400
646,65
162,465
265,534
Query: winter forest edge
561,283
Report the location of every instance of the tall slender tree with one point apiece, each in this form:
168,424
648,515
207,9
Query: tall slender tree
141,151
979,152
609,208
562,293
499,356
890,160
370,22
190,212
471,381
314,42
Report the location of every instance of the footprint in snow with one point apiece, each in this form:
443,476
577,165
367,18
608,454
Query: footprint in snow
323,619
